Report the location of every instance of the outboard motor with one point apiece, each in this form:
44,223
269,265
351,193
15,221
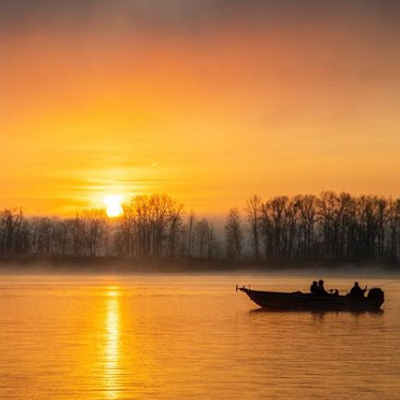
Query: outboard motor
376,294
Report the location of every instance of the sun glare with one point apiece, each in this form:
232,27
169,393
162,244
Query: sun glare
114,206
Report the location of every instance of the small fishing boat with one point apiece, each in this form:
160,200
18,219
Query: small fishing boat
307,301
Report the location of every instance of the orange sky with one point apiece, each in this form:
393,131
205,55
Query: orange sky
209,102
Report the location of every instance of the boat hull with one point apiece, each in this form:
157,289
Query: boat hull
305,301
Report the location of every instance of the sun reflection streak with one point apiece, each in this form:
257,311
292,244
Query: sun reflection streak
111,364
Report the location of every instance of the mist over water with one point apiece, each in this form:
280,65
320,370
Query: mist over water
190,336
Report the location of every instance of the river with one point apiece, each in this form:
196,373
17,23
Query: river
190,337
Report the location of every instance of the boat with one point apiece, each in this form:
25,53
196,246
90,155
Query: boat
307,301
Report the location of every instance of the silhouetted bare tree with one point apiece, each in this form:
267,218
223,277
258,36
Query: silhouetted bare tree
13,232
190,228
201,238
150,226
233,235
253,211
94,223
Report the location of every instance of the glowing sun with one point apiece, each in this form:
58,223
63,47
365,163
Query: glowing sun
114,206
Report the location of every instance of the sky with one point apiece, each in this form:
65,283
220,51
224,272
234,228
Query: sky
210,101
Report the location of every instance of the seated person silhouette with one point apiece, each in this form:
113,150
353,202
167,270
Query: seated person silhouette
356,291
321,291
334,292
314,288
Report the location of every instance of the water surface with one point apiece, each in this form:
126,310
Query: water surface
181,337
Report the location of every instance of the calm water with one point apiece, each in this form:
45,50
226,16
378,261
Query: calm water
186,337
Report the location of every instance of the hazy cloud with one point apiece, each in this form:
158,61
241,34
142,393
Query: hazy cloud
185,14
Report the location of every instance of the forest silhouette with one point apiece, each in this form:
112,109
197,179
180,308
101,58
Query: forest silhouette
330,227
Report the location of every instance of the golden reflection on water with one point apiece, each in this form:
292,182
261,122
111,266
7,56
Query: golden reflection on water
112,345
169,338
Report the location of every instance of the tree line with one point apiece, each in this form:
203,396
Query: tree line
330,226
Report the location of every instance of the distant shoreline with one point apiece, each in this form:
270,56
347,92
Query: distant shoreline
119,265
